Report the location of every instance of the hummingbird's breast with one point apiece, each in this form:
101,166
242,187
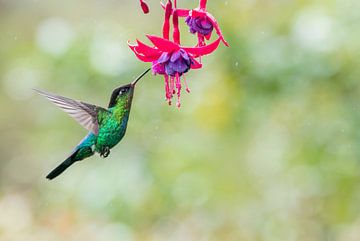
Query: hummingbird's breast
111,131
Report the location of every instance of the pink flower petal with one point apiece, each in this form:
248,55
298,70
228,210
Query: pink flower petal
166,24
207,37
176,31
132,47
195,64
163,44
217,28
144,6
147,50
197,13
202,4
200,51
182,12
141,56
144,52
144,58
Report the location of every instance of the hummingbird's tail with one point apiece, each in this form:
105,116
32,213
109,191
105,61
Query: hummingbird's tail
62,167
82,151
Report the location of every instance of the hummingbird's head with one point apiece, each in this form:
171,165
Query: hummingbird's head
125,93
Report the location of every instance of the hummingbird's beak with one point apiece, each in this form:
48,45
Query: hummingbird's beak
139,77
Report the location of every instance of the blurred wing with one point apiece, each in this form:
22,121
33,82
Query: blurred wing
85,114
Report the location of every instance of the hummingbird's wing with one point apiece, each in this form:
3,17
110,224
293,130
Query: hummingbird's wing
85,114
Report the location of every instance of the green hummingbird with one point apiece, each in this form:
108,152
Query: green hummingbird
106,126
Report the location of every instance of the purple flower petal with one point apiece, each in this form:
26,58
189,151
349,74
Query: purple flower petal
164,57
206,24
169,71
188,19
158,68
200,25
179,66
175,56
178,62
184,54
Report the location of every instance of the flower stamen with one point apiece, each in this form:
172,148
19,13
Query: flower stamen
186,84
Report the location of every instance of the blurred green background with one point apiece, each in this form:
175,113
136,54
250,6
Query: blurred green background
266,146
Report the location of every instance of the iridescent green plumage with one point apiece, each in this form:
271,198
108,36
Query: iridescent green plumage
106,126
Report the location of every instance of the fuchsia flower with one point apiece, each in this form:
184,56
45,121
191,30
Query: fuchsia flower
201,25
201,22
170,58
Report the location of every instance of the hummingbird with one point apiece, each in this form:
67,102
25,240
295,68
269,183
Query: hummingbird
106,126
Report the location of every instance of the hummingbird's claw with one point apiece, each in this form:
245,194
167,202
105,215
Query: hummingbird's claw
105,152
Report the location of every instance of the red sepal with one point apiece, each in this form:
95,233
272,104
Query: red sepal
204,50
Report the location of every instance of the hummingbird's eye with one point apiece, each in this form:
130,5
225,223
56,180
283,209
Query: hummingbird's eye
123,90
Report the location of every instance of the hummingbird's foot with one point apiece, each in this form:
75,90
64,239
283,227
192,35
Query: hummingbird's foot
105,152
